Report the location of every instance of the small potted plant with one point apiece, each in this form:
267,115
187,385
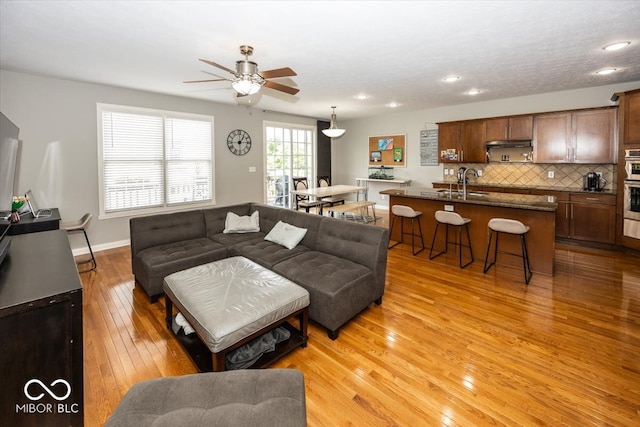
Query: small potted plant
16,204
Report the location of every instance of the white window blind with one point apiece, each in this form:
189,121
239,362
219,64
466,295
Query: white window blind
154,159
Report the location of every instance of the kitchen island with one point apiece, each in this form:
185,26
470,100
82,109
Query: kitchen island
538,212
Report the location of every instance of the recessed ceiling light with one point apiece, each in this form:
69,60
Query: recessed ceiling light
361,97
472,92
606,71
393,105
450,79
617,46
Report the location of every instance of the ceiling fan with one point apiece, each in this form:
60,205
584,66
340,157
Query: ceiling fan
247,80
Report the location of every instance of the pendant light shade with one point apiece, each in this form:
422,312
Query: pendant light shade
333,131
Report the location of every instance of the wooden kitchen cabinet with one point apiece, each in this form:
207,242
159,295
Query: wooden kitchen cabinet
449,139
472,135
630,103
466,138
593,217
509,128
551,138
594,136
585,136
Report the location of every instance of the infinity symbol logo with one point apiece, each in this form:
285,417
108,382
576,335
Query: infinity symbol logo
48,390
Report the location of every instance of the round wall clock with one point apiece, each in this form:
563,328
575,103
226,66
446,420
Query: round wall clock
239,142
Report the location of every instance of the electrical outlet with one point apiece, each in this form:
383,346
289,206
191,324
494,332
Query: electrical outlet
451,172
599,174
479,172
446,171
551,174
448,208
383,197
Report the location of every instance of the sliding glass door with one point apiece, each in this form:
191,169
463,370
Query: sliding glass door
290,153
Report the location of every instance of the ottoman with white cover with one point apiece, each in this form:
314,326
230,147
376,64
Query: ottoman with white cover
232,301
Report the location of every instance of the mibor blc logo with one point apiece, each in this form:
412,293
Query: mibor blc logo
35,390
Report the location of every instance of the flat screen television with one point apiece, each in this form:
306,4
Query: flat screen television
9,157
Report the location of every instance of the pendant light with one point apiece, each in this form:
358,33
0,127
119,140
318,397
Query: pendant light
333,131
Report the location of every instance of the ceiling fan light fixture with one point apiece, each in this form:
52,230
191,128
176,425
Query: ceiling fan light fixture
333,131
247,84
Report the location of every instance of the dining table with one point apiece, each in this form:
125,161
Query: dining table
318,193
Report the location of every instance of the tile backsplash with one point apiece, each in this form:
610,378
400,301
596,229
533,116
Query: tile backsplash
535,174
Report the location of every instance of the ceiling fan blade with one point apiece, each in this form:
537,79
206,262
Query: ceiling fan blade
202,81
278,72
222,67
281,88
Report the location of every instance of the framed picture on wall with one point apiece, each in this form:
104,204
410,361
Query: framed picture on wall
397,154
385,144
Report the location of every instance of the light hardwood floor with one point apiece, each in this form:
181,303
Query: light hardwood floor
447,347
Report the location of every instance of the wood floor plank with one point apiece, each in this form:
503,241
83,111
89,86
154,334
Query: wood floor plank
446,347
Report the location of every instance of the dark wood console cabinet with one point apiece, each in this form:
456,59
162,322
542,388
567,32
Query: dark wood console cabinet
41,328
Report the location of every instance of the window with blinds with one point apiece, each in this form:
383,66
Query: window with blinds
152,160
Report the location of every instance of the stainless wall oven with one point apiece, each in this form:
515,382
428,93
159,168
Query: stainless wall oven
632,165
632,194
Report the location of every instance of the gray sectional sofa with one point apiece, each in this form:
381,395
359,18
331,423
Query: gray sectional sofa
341,264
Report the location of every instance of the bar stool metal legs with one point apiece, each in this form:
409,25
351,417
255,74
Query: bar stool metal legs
403,212
77,226
451,218
508,226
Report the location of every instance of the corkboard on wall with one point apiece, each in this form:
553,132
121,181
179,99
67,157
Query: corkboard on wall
388,150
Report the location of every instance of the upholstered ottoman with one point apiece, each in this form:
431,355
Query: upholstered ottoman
232,301
269,397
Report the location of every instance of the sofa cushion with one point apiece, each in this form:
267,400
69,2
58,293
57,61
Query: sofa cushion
242,224
338,288
214,218
264,252
162,260
265,397
286,235
151,231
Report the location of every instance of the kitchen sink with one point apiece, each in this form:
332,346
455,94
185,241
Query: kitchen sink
455,193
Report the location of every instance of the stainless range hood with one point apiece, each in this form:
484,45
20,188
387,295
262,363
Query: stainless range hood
509,151
508,144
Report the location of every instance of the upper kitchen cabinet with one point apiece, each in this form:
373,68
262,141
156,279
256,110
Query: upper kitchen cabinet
509,128
584,136
449,142
594,136
630,117
551,138
472,134
462,141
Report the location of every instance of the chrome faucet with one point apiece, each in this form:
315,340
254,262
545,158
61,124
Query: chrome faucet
464,181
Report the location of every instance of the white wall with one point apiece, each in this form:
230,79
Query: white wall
350,153
51,110
57,121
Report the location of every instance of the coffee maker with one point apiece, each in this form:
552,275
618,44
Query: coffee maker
593,182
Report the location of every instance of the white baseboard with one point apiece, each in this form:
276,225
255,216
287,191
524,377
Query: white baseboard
103,247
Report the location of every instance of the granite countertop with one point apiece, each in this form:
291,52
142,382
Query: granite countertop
540,188
508,200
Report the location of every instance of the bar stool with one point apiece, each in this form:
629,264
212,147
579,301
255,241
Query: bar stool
514,227
407,212
77,226
452,219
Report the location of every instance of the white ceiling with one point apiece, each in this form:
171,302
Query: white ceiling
389,50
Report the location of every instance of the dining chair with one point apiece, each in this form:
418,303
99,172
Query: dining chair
302,201
325,181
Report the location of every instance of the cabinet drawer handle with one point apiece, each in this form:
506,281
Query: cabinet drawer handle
595,199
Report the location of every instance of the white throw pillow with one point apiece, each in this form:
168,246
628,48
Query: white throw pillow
286,235
241,224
